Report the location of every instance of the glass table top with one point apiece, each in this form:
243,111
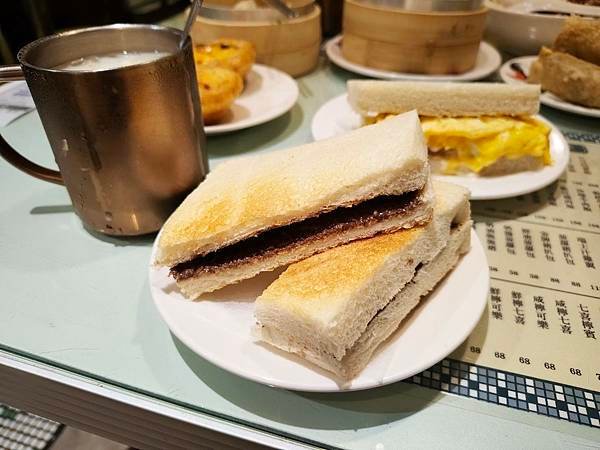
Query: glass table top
81,302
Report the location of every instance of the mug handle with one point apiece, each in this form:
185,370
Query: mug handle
13,73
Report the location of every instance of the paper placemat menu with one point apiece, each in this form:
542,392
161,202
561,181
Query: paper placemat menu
537,346
543,314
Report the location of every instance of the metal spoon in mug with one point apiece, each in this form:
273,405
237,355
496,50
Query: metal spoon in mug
283,9
194,10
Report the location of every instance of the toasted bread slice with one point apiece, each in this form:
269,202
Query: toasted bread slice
320,307
371,97
285,245
244,199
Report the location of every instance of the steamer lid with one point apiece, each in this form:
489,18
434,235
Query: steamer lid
428,5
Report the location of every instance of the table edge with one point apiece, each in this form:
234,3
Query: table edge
134,418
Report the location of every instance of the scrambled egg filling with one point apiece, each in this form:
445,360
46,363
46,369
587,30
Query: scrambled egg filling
475,143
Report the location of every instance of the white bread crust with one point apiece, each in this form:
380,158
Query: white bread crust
336,322
244,196
194,287
385,323
371,97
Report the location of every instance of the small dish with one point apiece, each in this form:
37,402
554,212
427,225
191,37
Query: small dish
488,60
268,94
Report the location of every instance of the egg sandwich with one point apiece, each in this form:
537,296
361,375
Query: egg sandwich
481,128
335,309
257,213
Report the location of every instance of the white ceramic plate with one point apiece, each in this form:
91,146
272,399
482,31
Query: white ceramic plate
268,93
337,117
488,60
508,75
218,328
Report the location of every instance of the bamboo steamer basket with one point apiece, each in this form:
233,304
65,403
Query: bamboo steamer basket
290,45
382,36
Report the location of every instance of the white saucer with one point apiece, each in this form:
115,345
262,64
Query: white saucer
488,60
218,329
337,117
547,98
268,93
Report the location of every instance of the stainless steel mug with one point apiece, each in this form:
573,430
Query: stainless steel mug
129,142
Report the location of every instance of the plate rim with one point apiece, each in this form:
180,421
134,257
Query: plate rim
212,130
390,75
482,284
545,97
560,166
